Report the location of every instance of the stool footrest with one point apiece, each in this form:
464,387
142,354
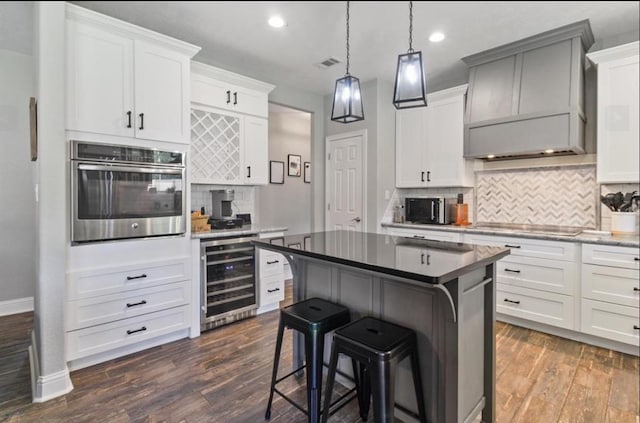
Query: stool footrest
289,374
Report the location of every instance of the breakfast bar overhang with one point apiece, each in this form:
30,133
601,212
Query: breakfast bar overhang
444,291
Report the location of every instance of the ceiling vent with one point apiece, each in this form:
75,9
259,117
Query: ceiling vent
328,62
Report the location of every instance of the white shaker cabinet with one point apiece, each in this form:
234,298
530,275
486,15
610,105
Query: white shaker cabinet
229,143
429,143
123,80
618,136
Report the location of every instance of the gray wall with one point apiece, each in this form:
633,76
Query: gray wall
379,122
288,204
312,103
17,215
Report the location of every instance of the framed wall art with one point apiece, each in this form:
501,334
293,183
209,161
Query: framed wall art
307,172
295,163
276,172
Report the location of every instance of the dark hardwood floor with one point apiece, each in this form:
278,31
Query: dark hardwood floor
223,376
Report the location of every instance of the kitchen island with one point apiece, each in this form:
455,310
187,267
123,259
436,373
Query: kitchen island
444,291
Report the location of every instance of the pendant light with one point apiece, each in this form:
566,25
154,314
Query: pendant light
347,102
409,89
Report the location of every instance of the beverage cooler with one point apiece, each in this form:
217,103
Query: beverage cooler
228,281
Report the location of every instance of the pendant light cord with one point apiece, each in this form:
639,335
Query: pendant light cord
348,38
410,27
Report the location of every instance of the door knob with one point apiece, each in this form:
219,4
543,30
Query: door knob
356,219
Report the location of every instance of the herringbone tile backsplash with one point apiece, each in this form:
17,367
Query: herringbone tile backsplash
563,196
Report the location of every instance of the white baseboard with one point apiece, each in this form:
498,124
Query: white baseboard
268,307
47,387
19,305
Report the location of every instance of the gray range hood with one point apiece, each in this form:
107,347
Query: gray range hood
526,99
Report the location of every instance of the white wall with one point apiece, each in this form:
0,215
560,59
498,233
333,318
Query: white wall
288,204
17,207
312,103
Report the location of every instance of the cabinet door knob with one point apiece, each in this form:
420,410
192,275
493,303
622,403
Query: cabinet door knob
636,327
235,98
228,96
129,119
636,258
421,176
428,176
635,288
248,171
141,121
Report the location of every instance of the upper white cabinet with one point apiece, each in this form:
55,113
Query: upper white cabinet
229,139
124,80
429,143
618,136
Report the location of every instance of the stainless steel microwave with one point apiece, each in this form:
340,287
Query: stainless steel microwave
434,210
121,192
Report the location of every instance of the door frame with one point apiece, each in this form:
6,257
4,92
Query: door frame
336,137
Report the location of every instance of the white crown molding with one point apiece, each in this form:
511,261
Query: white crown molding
19,305
614,53
201,69
80,14
452,92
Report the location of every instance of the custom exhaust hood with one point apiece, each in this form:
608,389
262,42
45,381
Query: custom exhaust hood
526,99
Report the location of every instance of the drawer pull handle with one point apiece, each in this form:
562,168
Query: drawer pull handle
142,329
143,302
511,270
130,278
506,300
273,262
636,258
636,327
512,246
418,236
273,290
635,288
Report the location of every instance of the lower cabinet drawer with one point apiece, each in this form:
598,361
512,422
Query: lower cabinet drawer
101,338
271,263
445,235
108,308
611,321
611,284
540,306
546,275
271,289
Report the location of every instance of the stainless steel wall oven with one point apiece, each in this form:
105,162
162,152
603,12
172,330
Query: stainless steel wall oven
228,281
121,192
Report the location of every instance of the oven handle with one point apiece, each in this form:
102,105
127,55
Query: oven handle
119,168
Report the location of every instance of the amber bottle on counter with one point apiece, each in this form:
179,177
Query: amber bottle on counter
462,212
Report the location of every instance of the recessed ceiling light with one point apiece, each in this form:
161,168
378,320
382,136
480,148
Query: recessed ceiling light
549,151
491,156
436,37
276,22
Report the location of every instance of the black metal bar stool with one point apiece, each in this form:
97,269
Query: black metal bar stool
379,346
313,318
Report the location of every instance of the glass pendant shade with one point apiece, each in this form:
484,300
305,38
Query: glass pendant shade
410,88
347,101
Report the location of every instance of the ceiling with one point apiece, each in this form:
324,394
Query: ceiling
235,35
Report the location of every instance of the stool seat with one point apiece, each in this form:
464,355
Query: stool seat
313,318
379,346
316,314
379,336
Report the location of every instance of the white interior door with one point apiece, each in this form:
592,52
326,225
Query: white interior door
346,189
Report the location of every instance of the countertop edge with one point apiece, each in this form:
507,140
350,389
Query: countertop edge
239,231
581,238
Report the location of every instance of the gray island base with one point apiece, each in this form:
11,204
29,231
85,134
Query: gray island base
444,291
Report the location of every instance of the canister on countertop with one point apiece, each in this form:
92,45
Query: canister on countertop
462,212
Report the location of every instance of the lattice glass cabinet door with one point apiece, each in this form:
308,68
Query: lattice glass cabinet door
215,148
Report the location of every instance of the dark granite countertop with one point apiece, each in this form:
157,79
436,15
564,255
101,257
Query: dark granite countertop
429,261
